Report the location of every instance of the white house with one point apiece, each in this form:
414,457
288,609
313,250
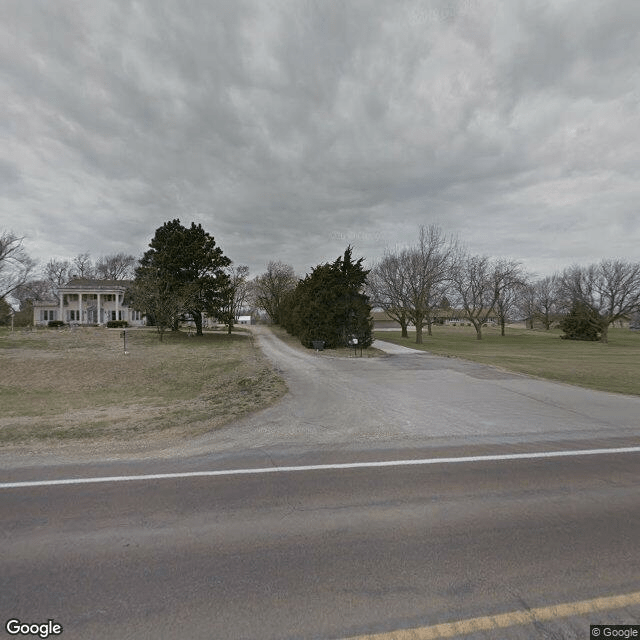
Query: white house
85,301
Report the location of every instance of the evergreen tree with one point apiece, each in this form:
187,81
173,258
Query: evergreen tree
189,267
581,323
5,312
329,305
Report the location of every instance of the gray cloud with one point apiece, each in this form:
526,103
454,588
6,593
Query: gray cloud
290,128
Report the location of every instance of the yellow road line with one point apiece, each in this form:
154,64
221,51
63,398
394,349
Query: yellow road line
486,623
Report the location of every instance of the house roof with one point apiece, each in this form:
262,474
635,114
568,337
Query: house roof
94,284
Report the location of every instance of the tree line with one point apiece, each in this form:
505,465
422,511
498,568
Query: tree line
421,284
185,272
417,283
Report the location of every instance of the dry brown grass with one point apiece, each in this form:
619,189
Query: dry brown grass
80,385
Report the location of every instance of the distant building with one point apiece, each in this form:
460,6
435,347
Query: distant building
90,302
439,316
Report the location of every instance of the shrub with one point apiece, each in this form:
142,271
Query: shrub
55,324
117,324
581,323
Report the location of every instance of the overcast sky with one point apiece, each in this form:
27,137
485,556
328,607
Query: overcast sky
290,129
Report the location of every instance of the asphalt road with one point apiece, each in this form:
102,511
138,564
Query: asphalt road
321,553
338,552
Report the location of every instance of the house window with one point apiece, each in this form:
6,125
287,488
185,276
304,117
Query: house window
74,315
48,314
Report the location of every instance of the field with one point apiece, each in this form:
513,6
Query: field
609,367
63,385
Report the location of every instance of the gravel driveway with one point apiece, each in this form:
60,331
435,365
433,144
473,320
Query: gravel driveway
411,398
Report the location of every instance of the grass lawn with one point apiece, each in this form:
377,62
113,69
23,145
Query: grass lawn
609,367
75,385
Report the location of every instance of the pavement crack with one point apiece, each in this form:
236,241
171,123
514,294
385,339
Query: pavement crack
542,630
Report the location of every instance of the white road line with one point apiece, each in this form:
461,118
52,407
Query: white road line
324,467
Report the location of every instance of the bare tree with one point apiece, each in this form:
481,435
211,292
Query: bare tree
540,300
387,289
117,266
546,300
83,266
527,303
272,286
426,271
478,281
511,281
15,265
410,285
611,288
57,273
31,291
235,295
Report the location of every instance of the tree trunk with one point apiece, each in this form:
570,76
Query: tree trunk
419,333
502,323
403,326
604,337
478,331
197,318
429,323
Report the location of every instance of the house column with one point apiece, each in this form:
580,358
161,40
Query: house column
80,308
98,319
61,297
117,306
